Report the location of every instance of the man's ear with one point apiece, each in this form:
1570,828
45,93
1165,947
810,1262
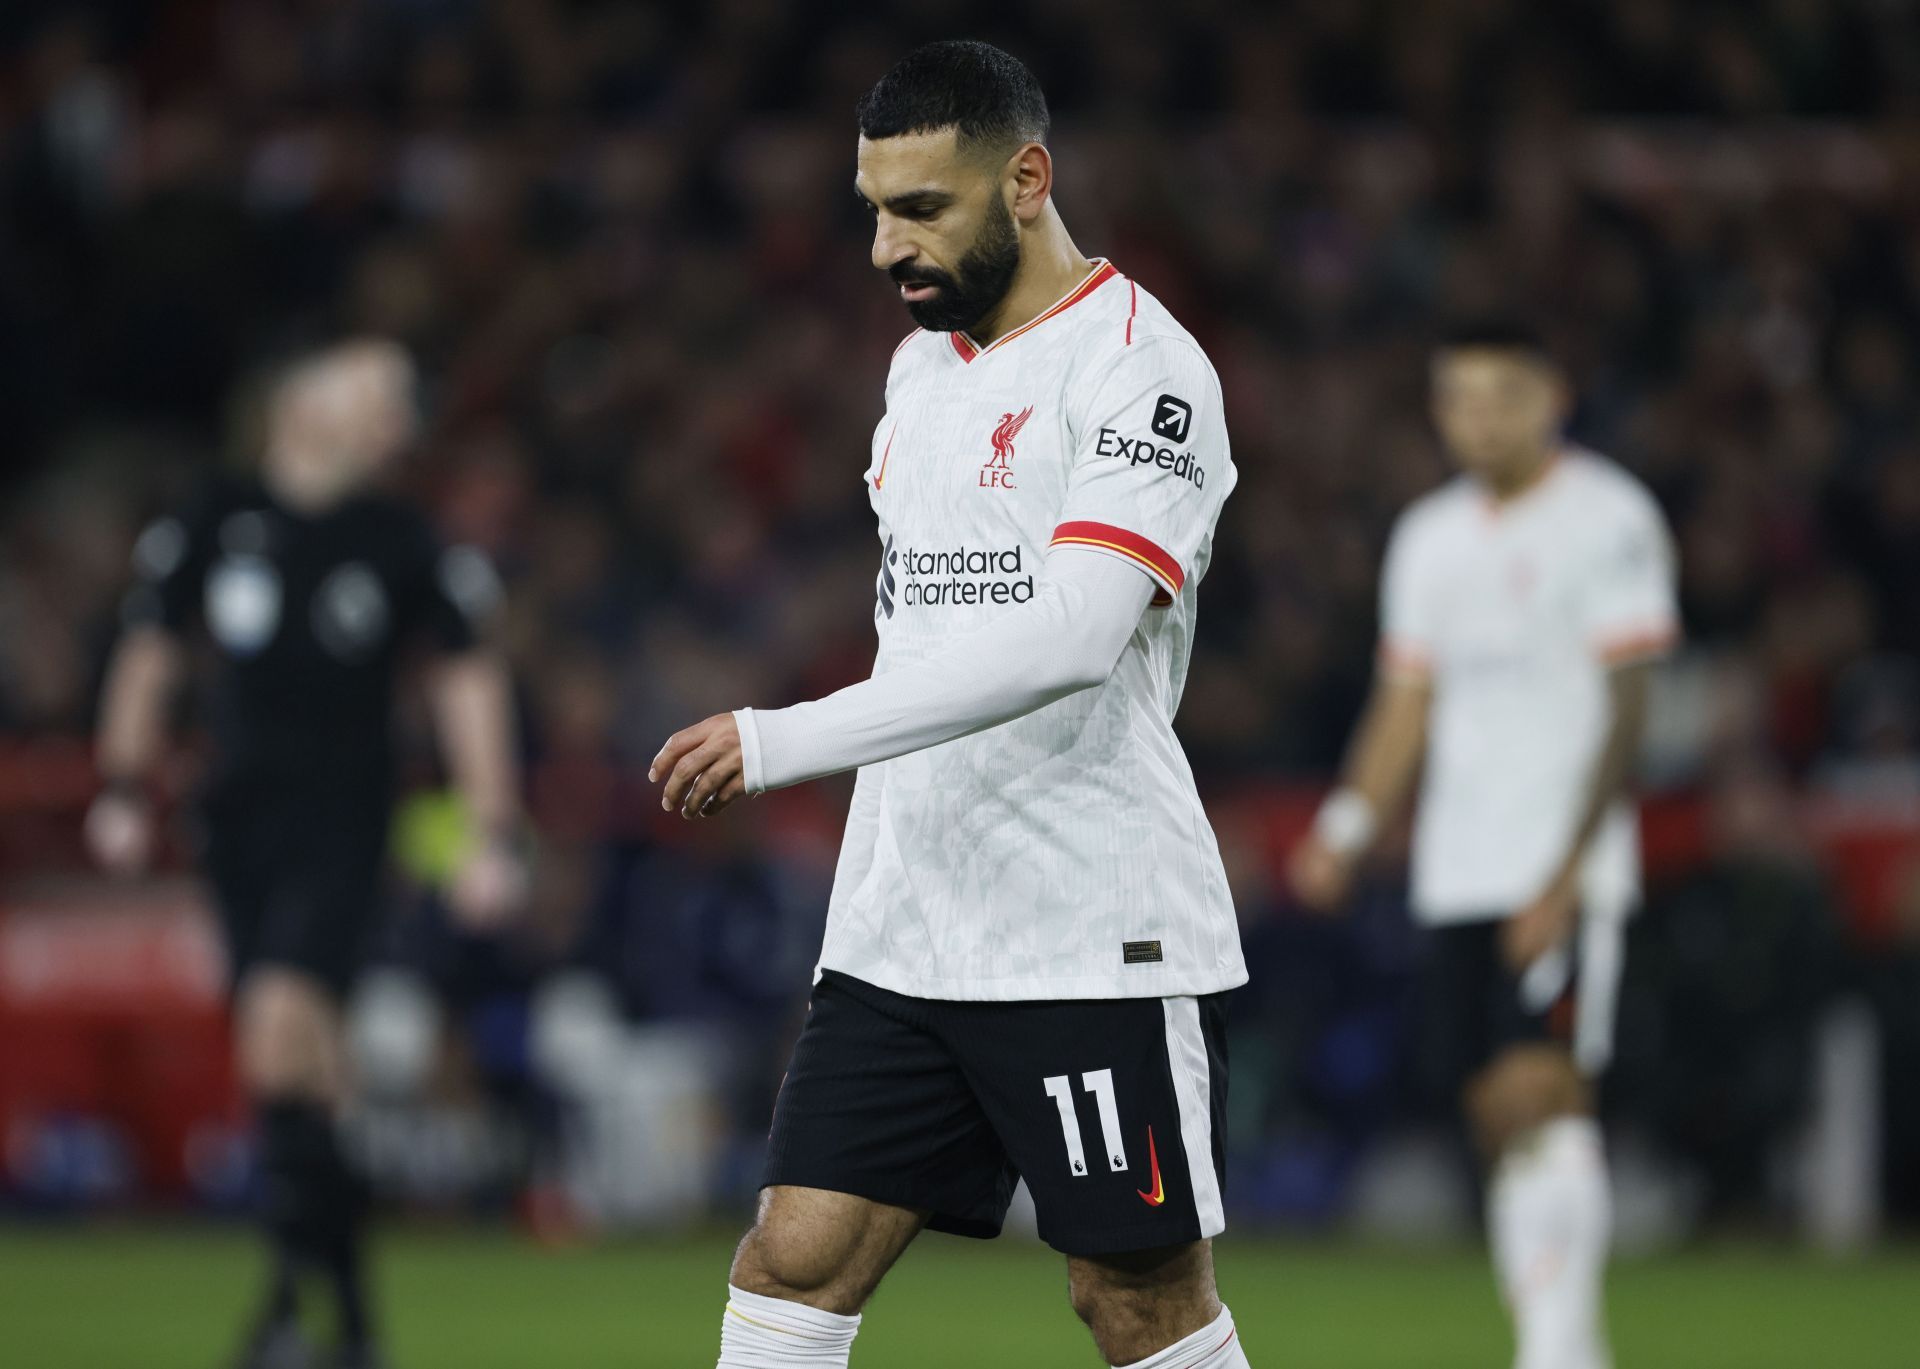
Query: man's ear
1029,179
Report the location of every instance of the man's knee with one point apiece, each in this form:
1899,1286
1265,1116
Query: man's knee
1521,1090
288,1036
777,1262
1138,1304
827,1250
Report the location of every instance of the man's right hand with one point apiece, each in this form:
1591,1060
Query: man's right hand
120,832
1321,878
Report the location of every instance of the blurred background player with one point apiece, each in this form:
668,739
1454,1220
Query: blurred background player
309,584
1030,937
1523,605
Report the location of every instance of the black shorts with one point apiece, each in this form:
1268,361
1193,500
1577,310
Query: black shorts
1113,1110
1476,1007
297,882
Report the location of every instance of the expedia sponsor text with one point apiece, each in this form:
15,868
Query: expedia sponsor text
1142,451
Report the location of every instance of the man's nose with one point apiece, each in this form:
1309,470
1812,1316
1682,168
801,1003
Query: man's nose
888,249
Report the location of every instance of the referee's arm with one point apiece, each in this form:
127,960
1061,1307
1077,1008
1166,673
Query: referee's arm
472,703
147,667
452,598
470,697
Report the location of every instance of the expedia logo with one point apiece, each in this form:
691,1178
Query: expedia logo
960,575
1143,451
1172,416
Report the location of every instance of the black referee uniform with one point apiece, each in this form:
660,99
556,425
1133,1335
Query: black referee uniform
309,616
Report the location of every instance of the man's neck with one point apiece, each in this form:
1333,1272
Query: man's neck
298,494
1050,266
1510,485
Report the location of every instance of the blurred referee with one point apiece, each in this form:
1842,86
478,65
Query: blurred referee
310,587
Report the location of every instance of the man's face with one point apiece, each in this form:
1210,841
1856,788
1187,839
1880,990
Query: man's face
349,413
390,420
1496,408
942,227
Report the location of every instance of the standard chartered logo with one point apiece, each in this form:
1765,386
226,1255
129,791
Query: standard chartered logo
963,575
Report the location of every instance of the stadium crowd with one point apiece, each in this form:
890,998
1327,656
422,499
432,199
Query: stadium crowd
622,241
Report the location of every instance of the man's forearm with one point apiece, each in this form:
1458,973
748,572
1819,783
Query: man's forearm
146,669
1067,638
1628,688
1380,767
1391,744
473,710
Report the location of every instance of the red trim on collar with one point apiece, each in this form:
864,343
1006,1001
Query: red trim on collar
969,349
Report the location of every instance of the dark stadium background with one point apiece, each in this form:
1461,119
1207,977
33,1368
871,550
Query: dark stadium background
622,241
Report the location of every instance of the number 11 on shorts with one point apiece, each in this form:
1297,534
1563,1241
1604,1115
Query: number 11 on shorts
1100,1084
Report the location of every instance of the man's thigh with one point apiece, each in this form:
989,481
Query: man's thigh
1476,1008
298,888
876,1107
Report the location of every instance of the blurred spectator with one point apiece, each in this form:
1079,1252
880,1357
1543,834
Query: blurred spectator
620,238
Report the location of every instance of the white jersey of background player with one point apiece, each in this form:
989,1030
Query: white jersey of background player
1522,606
1030,933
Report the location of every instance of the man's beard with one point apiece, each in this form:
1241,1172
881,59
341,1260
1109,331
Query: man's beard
982,280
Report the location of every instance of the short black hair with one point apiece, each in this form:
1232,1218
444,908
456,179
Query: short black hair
1495,335
987,95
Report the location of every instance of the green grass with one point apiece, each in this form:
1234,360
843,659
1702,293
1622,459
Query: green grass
171,1298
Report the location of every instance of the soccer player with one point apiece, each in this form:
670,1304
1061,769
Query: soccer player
1523,606
1030,937
308,586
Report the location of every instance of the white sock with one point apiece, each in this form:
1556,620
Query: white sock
1550,1217
1214,1346
771,1333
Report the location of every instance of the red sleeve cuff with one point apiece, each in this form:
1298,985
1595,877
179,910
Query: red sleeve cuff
1147,554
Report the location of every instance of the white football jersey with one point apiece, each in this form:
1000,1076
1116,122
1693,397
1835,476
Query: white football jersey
1516,612
1063,854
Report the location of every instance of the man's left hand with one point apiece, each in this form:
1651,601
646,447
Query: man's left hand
1545,923
702,768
